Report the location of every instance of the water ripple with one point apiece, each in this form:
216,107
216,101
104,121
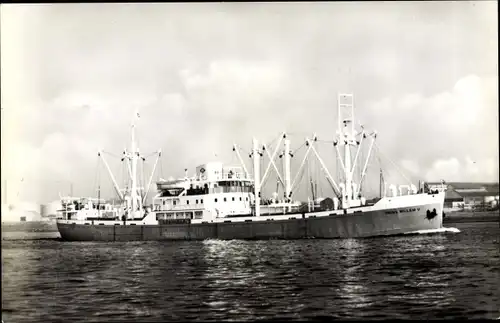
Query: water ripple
417,277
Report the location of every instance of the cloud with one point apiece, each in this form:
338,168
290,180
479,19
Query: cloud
204,76
455,170
31,170
193,124
411,166
230,87
442,128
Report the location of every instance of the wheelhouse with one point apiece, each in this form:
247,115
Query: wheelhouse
213,191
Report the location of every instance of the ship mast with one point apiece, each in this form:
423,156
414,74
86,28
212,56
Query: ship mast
132,198
256,175
347,137
133,157
381,183
287,154
134,201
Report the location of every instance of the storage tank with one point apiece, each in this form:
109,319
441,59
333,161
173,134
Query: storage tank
50,210
21,212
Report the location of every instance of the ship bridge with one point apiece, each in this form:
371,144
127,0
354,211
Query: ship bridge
215,190
209,178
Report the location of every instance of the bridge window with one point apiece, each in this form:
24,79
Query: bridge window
216,200
240,198
197,191
201,201
171,192
175,202
233,199
187,202
196,201
224,199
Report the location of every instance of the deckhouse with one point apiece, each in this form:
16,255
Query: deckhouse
215,191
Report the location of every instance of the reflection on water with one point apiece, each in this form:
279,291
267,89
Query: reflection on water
422,277
354,285
242,276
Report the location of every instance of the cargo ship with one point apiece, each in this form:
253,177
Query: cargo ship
224,201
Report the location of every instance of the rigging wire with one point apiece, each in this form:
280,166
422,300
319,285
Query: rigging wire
321,180
110,154
325,141
300,179
98,187
99,179
126,182
261,161
123,172
160,173
269,145
381,179
366,172
318,180
315,177
281,168
308,177
298,134
337,175
151,154
338,166
383,168
360,162
394,164
297,149
143,181
97,176
247,153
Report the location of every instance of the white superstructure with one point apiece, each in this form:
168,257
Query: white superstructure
215,191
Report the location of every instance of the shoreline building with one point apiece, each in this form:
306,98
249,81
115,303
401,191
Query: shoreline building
469,195
21,212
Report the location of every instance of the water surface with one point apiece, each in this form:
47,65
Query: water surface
443,276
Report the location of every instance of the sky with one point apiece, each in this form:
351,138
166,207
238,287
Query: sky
204,75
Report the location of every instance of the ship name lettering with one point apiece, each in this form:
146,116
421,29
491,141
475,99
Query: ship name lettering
408,210
402,211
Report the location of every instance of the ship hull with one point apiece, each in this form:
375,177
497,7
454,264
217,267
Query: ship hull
323,225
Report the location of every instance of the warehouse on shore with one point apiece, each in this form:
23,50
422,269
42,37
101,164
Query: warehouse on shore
469,195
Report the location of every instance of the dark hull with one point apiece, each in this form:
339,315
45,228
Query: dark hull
368,224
